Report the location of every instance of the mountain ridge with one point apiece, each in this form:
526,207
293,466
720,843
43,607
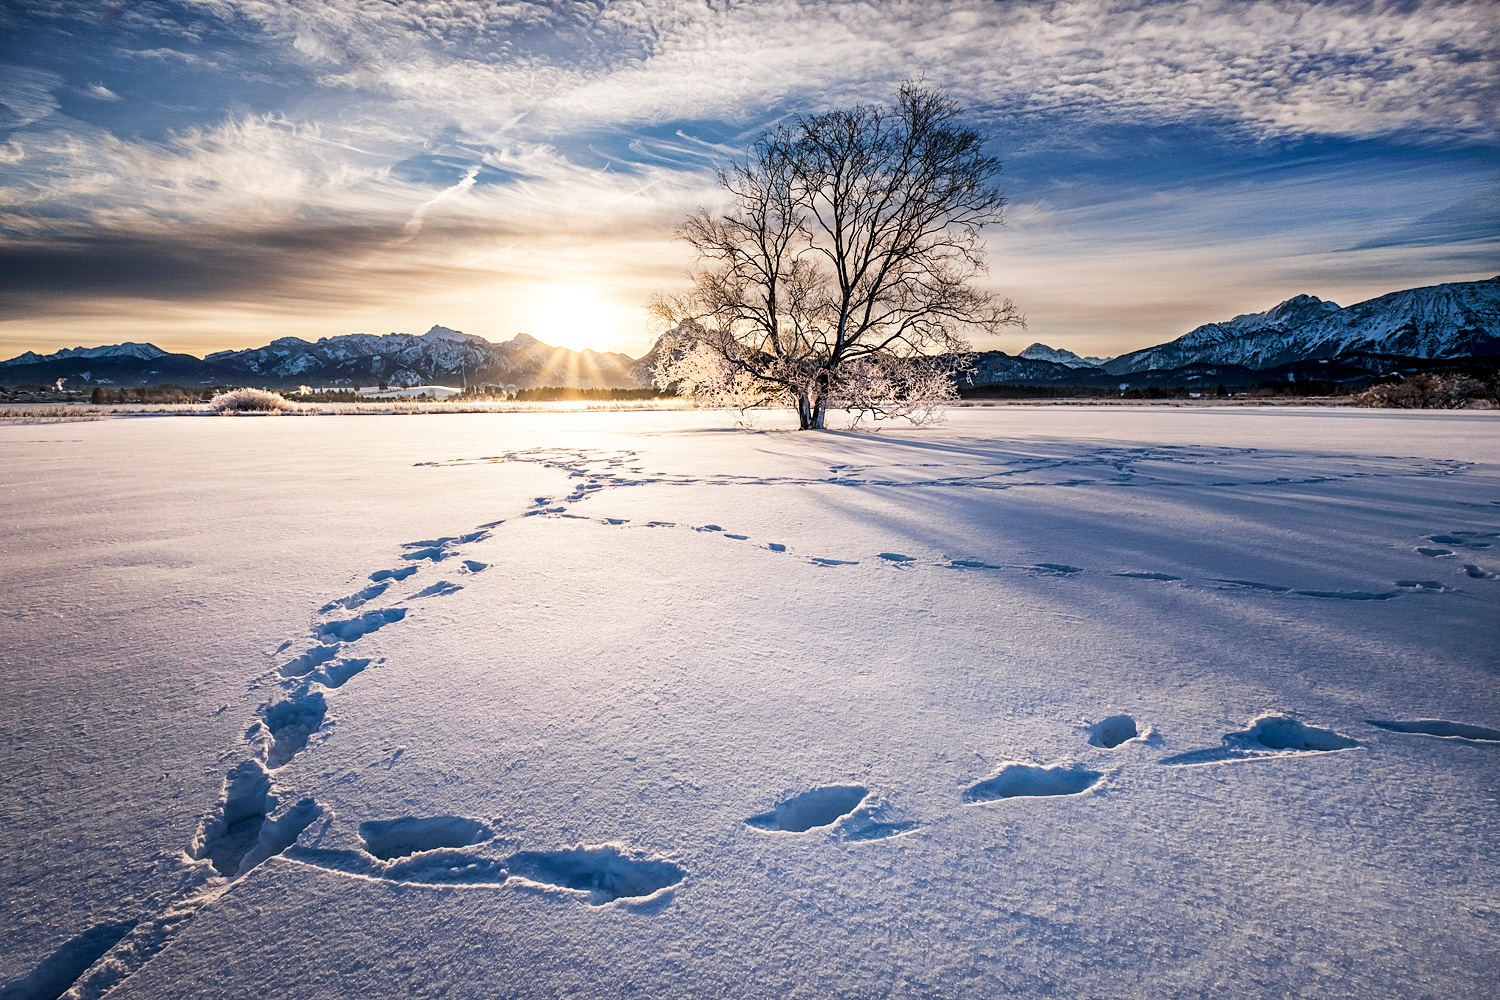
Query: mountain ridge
402,359
1454,319
1433,321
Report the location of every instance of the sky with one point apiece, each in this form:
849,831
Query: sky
213,174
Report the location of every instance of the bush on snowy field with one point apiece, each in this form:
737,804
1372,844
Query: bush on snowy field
1429,392
252,400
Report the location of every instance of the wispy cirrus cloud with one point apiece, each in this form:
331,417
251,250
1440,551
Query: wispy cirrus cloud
1270,67
27,95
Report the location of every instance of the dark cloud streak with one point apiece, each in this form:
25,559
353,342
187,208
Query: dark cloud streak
191,265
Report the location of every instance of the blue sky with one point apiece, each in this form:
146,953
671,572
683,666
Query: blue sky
214,174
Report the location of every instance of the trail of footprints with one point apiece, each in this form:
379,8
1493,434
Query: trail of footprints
844,810
255,820
455,850
251,824
1442,546
598,470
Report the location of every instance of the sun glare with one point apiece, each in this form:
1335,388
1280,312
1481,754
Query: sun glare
576,317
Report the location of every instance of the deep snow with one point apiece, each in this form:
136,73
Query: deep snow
1084,702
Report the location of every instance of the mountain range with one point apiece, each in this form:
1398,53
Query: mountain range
439,356
1303,337
1452,320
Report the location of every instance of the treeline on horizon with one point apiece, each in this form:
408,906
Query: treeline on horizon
1260,389
169,393
101,396
489,394
1461,379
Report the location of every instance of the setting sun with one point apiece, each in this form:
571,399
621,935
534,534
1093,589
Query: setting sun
578,317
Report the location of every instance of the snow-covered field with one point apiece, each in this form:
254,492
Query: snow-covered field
1087,702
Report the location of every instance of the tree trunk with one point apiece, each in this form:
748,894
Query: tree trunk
810,412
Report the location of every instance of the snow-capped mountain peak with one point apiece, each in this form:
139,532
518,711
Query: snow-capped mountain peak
1041,352
1300,309
444,333
1292,313
145,352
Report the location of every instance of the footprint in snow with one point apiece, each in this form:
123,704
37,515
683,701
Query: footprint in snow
1327,595
1113,731
438,549
1466,539
1017,780
416,850
335,674
290,724
1268,737
246,827
58,971
844,810
1440,728
811,810
440,589
352,629
306,662
357,599
397,838
455,850
603,873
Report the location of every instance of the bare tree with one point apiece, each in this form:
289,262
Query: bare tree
843,275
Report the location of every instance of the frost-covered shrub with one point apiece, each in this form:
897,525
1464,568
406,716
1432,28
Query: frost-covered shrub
910,388
241,400
708,368
1429,392
712,369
